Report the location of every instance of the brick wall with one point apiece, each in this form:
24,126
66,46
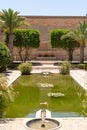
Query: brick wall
47,23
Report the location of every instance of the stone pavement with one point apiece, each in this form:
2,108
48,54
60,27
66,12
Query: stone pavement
45,68
12,75
65,124
80,76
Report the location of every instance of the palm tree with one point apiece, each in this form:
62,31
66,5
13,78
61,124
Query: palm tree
81,38
10,21
80,35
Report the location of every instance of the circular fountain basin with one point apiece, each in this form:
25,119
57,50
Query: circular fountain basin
38,124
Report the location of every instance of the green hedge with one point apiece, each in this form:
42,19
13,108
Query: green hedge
25,38
55,36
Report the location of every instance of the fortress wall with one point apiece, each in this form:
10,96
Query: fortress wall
45,24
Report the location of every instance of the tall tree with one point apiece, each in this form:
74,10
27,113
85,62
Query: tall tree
10,20
59,39
6,95
69,45
25,40
80,35
81,38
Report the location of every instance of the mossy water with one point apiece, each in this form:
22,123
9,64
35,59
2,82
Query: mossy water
29,95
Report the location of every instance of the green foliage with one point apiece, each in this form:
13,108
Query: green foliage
69,42
4,55
25,38
79,66
80,35
84,104
10,20
25,68
55,36
13,65
28,38
6,95
82,66
2,69
85,66
65,68
60,39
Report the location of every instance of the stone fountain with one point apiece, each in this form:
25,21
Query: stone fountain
43,122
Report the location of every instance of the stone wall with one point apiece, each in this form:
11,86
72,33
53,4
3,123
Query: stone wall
47,23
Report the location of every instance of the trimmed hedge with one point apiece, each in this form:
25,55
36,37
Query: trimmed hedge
25,38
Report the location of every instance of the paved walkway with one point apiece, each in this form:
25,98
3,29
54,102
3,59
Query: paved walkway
66,124
12,75
45,68
80,76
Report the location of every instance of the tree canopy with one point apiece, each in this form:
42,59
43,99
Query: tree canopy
24,40
10,20
55,36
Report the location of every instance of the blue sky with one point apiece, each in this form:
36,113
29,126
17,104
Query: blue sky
47,7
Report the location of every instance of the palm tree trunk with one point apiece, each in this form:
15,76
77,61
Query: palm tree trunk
10,45
81,53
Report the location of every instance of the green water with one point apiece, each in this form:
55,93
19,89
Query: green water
29,95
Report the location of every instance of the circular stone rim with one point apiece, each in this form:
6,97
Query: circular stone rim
39,119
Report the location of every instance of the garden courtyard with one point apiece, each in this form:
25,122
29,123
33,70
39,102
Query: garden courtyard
59,89
67,123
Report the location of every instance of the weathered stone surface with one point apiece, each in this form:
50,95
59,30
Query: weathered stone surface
65,124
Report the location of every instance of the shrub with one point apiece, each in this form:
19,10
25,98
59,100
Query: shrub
13,65
85,66
6,95
65,68
4,55
2,69
25,68
81,66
